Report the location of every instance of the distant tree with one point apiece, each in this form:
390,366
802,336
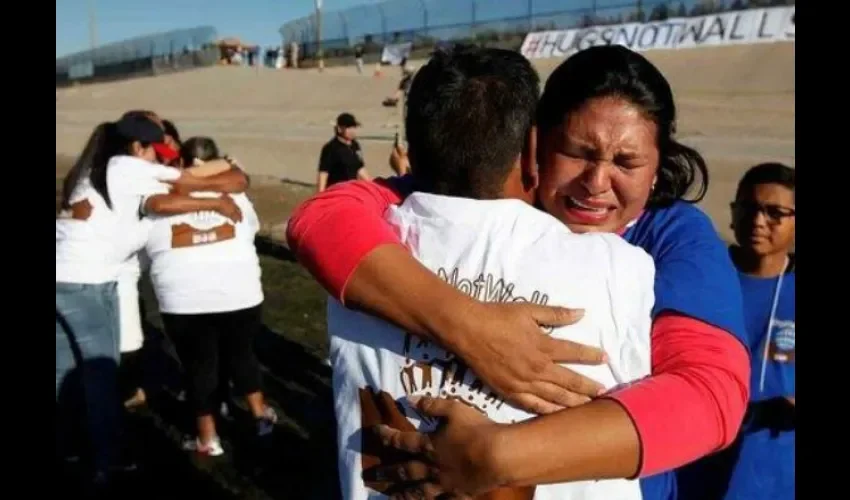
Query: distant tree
659,13
737,5
586,21
681,11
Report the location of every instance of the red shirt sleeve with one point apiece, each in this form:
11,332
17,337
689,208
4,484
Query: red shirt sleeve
695,400
333,231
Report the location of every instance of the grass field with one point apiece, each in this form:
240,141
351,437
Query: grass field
301,462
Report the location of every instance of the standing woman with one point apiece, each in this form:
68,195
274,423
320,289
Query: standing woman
760,465
133,365
97,230
609,161
206,276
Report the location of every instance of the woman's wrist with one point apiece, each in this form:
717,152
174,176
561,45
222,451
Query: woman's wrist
498,460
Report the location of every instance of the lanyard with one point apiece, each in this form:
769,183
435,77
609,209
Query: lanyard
770,323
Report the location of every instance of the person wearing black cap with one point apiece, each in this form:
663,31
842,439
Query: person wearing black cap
342,159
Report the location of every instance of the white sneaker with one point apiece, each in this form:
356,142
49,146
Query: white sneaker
211,448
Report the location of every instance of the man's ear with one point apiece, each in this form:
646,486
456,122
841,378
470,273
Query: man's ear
528,161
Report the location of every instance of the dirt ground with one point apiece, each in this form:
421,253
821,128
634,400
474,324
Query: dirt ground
736,106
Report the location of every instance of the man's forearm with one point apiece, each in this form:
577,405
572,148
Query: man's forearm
594,441
391,284
363,174
322,182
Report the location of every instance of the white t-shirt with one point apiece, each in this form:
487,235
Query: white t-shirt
92,240
132,334
203,262
495,251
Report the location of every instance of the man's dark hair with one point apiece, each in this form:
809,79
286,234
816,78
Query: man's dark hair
767,173
468,116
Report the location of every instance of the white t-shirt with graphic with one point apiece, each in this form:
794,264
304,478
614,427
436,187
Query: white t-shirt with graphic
494,251
203,262
94,241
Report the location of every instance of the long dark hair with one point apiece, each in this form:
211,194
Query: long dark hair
104,143
613,70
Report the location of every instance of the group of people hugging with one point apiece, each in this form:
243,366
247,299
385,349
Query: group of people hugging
139,199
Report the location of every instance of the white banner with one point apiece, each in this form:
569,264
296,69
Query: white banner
395,53
727,28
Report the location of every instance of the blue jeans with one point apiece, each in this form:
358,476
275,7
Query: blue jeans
87,336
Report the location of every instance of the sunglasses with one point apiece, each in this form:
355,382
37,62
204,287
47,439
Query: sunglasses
773,212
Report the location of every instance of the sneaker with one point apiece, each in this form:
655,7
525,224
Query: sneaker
211,448
266,423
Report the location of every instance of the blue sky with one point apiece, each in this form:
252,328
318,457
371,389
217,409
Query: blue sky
255,21
258,21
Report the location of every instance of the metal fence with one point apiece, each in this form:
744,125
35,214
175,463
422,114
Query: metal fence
424,22
151,54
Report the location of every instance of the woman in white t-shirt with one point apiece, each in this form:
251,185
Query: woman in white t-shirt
206,275
97,230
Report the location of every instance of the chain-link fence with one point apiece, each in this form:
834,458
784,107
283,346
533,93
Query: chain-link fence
147,55
499,22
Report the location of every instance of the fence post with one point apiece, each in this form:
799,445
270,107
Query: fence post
383,22
319,35
424,17
344,27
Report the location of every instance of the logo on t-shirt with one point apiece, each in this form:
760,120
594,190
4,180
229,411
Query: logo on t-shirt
203,228
433,371
783,340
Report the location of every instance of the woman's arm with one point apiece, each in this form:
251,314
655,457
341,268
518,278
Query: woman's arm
174,204
342,238
695,401
231,180
209,168
692,405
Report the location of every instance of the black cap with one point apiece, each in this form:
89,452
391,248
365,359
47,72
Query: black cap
347,120
139,128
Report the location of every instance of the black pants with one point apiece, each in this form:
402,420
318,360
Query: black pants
214,347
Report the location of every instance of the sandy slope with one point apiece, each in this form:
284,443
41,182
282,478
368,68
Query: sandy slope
736,106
